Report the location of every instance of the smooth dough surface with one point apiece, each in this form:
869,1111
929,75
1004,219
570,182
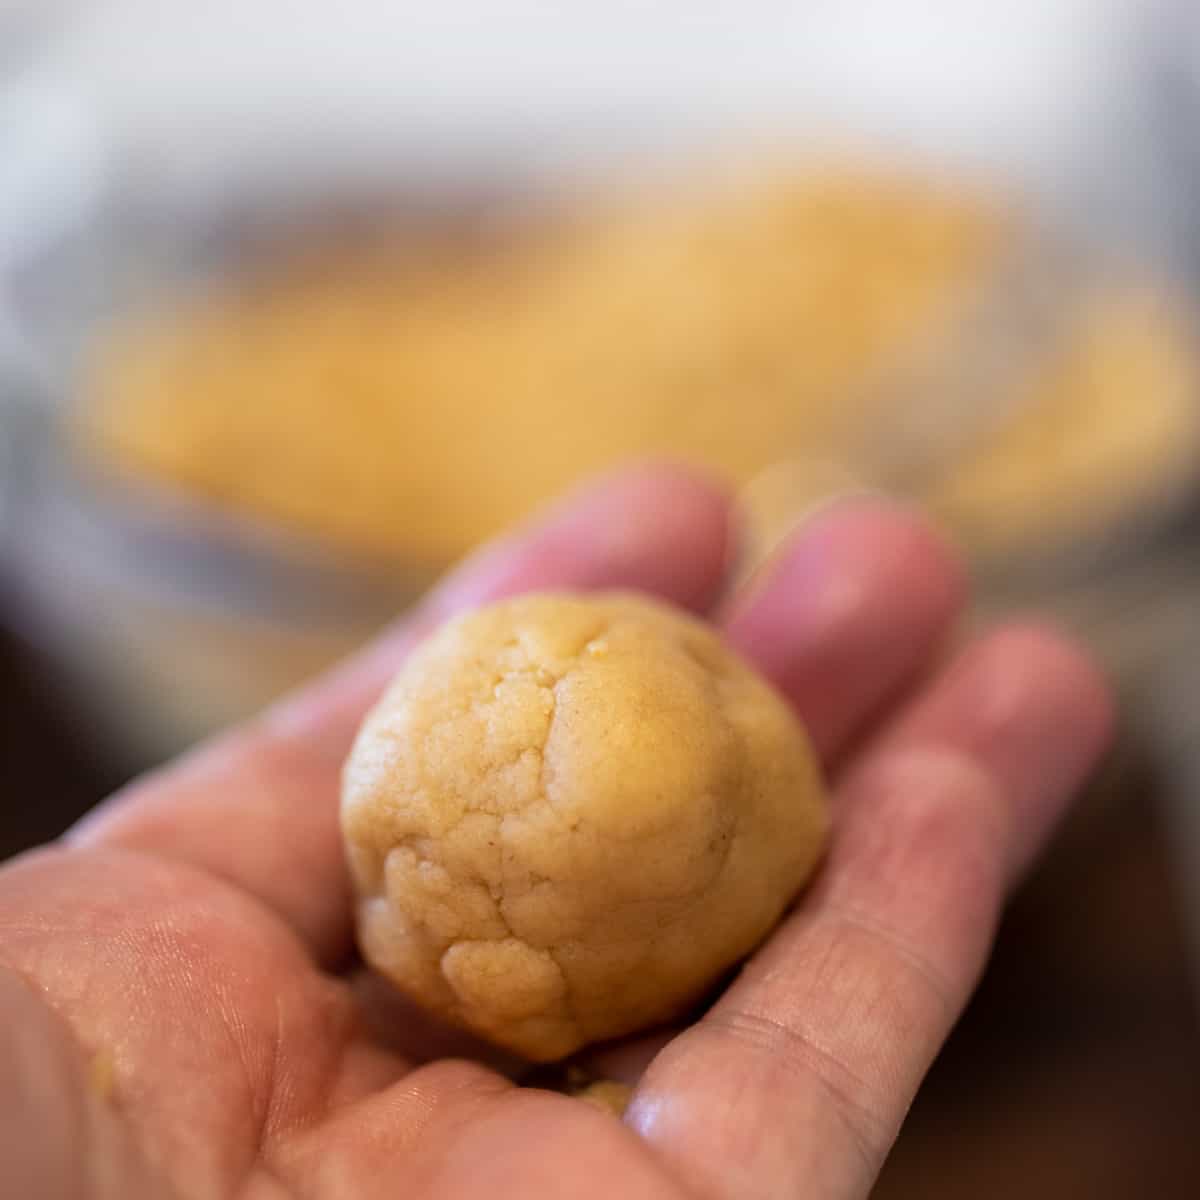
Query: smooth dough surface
570,814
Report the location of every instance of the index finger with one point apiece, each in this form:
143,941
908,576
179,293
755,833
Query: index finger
259,806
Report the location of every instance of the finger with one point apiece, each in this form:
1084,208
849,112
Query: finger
453,1130
848,613
797,1080
999,705
258,806
851,611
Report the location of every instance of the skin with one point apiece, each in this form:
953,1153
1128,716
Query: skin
181,1013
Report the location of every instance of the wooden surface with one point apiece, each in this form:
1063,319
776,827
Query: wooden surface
1076,1072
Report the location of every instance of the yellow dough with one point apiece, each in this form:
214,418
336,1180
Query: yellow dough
408,408
570,814
407,405
607,1095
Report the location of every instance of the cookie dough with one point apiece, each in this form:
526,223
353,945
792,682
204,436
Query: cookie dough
349,394
569,815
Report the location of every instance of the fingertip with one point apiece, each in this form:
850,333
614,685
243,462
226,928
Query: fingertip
665,523
1048,656
851,608
650,477
658,527
1027,677
1029,704
904,548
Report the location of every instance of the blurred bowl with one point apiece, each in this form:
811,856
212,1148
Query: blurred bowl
168,619
177,602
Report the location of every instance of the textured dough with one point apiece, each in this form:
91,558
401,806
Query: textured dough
570,814
351,394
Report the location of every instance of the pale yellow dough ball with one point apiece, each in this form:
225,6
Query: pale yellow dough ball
570,814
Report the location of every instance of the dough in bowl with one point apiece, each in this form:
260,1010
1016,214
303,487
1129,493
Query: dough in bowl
570,814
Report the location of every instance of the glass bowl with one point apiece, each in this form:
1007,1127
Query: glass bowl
172,615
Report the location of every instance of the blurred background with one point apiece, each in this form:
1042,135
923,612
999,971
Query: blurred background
299,303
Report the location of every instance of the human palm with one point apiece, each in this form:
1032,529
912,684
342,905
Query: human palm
182,1014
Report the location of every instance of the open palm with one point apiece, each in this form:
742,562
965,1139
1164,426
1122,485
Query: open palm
182,1014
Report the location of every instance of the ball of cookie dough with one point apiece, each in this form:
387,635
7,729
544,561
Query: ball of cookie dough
570,814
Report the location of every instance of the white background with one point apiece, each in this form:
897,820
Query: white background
205,97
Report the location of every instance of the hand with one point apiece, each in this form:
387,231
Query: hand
181,1014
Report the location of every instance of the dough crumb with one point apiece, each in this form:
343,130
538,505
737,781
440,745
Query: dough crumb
607,1095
